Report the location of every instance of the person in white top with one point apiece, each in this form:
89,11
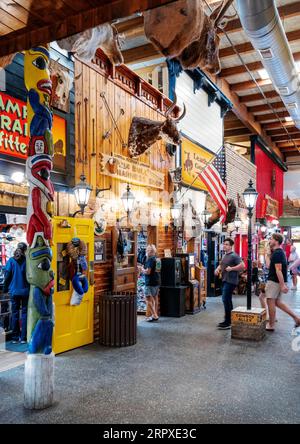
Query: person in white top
293,257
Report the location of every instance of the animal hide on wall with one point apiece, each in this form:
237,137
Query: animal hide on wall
85,44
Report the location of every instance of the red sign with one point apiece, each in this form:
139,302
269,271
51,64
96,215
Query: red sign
13,127
14,132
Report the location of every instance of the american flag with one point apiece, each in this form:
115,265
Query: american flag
214,177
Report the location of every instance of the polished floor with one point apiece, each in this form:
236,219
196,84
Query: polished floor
182,370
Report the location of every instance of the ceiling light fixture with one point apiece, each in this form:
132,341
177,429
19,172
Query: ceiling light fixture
263,73
18,176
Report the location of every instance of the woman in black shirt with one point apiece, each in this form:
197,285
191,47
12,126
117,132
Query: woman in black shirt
152,282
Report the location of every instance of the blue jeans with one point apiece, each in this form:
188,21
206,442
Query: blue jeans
227,291
16,303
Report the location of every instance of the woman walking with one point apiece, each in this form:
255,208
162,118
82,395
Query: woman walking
293,266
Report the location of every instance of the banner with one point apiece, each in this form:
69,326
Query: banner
132,171
14,132
193,161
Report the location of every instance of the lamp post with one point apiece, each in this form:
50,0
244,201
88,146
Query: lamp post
237,223
250,195
82,193
206,215
128,200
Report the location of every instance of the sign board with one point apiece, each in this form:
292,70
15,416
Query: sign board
193,161
270,207
132,171
14,131
241,315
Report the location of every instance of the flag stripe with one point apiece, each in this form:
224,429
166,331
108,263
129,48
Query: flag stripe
214,191
218,188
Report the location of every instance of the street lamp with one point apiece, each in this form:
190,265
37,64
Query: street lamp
82,193
250,196
175,211
257,226
128,200
237,223
206,215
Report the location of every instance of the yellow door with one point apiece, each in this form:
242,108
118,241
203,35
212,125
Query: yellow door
73,324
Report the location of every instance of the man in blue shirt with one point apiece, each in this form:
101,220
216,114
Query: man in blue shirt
15,283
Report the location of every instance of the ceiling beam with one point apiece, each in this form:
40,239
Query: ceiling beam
250,84
237,132
278,124
261,108
288,145
241,69
286,137
281,131
242,113
286,11
255,97
244,48
233,124
102,12
237,139
271,116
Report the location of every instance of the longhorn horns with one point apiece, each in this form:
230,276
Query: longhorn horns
169,111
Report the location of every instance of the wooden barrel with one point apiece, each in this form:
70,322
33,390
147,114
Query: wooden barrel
118,319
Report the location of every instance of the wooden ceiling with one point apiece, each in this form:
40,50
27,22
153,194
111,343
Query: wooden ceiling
27,23
251,113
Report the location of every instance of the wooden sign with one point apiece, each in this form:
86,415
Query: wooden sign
132,171
193,161
270,207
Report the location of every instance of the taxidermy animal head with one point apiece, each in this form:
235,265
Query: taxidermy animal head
172,36
85,44
144,133
62,84
204,52
216,214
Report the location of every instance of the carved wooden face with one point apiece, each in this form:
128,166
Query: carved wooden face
38,265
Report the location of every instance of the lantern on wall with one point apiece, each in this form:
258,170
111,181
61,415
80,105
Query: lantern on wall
128,200
82,192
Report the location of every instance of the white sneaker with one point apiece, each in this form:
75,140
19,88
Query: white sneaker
293,288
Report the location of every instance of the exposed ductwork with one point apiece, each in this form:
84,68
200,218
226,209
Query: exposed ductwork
263,26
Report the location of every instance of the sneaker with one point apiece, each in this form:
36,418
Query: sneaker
23,342
293,288
224,326
15,341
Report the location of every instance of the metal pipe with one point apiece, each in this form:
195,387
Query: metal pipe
263,26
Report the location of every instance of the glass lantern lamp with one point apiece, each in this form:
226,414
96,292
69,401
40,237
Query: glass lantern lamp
82,192
128,200
237,222
250,196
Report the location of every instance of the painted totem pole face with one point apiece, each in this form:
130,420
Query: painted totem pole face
36,73
38,265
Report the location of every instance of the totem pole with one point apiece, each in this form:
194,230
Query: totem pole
39,375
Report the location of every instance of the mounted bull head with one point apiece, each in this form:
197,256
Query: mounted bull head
216,214
85,44
172,36
144,133
204,52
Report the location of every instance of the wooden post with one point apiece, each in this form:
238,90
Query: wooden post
39,376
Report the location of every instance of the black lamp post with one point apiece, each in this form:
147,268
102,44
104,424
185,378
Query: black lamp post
250,195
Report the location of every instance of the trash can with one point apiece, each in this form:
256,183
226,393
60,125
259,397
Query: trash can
118,319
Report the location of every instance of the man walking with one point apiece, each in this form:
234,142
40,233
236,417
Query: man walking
230,266
276,284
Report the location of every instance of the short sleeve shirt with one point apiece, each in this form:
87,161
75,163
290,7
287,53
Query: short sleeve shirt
230,260
152,279
278,257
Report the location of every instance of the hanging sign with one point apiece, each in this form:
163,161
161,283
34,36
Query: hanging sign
270,207
193,161
14,132
130,170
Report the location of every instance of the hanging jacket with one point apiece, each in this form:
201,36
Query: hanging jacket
15,282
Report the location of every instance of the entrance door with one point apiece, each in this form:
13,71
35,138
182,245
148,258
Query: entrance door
73,324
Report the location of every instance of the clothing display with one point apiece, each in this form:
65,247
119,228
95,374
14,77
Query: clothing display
141,259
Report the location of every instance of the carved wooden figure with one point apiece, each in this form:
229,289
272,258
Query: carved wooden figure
39,229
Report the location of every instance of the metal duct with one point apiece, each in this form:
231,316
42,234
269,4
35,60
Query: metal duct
263,26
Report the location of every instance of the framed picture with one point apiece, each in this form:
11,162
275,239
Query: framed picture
100,251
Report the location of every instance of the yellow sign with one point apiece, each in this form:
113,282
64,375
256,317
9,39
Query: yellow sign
132,171
251,318
193,161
